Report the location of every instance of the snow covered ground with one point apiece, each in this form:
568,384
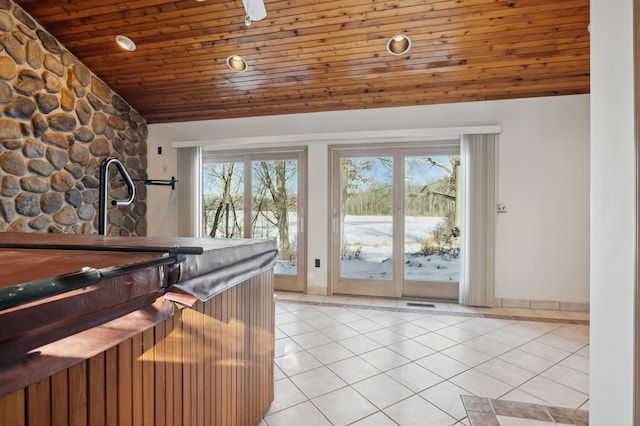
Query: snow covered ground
371,235
367,251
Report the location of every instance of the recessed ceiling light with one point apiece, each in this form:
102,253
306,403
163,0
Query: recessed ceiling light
126,43
399,45
237,63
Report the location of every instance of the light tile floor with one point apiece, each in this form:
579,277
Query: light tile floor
360,361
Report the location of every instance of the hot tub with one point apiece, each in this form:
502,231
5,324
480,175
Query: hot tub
136,327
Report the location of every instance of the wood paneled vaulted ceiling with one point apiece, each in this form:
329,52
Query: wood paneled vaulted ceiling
322,55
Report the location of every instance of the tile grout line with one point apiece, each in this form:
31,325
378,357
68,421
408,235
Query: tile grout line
461,343
470,368
381,372
350,385
427,313
535,374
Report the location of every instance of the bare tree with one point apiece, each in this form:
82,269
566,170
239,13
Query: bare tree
451,188
222,206
273,202
353,178
438,196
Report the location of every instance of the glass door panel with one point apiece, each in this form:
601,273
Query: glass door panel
366,206
274,209
431,218
223,200
259,195
365,257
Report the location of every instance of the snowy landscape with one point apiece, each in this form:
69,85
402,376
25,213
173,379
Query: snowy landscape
367,250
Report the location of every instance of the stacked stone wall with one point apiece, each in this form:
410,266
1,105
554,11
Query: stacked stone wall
58,123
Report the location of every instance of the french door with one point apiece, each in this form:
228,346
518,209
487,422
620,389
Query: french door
248,195
395,221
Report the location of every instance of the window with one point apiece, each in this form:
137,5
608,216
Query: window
259,195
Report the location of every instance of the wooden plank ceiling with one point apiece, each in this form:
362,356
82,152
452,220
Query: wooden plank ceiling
322,55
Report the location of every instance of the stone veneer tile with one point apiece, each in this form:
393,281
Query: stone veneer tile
519,409
569,416
477,404
485,412
49,104
482,419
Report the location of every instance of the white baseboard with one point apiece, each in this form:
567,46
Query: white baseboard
554,305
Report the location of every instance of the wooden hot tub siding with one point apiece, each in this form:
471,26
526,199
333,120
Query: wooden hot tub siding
211,364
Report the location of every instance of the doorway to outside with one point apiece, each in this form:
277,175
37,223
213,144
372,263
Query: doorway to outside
259,195
395,220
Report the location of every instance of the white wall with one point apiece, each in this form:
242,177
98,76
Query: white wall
613,212
543,240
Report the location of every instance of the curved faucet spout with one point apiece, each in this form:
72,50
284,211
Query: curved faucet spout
102,207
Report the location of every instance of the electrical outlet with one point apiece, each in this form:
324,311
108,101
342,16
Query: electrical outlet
165,168
502,208
317,263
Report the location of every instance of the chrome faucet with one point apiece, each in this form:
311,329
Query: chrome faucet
102,207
